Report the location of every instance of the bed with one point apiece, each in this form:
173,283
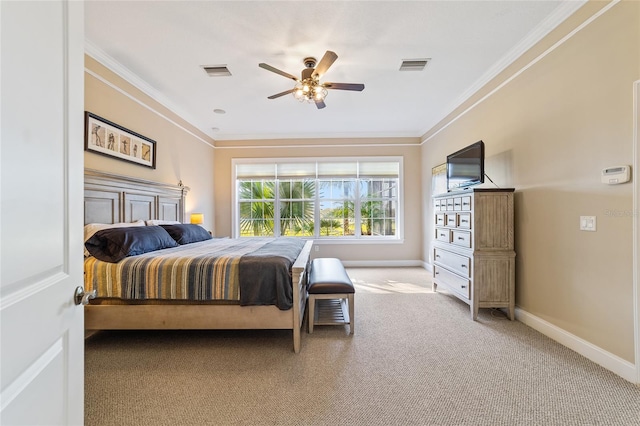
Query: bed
111,199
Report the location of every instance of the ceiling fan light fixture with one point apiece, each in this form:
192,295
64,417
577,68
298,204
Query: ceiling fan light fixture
308,88
309,91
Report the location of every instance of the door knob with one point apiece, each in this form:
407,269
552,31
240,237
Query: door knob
82,298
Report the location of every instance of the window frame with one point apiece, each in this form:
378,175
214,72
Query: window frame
317,237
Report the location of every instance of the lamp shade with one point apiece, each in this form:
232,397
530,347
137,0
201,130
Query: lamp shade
197,218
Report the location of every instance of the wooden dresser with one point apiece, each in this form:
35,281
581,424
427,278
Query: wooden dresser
473,251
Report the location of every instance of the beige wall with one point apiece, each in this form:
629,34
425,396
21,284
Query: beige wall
408,250
183,152
548,133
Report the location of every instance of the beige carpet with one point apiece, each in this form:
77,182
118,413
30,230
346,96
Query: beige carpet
416,359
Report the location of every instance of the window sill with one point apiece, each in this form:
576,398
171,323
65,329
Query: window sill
363,241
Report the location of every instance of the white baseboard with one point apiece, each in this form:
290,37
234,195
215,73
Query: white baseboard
611,362
381,263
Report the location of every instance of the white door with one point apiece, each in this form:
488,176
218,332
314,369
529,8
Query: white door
636,223
41,180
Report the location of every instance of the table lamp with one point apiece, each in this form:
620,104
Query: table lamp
197,218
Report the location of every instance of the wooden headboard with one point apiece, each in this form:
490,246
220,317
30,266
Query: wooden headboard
111,198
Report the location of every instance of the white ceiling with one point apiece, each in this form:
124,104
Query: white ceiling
161,45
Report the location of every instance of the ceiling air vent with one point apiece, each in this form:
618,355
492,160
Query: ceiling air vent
216,70
413,64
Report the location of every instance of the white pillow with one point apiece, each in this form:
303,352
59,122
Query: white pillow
162,222
92,228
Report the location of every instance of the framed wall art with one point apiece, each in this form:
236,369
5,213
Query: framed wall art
439,179
107,138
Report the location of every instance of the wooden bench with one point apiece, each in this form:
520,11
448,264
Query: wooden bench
330,285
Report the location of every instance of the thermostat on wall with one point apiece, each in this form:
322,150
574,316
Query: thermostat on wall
616,175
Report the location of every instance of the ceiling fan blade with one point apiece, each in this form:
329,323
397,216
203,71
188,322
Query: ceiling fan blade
277,95
344,86
277,71
320,104
327,60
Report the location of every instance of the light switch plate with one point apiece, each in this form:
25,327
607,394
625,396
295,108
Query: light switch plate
587,223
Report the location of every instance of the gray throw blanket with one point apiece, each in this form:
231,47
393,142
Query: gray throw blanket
265,274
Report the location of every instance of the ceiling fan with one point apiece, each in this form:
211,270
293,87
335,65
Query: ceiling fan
308,87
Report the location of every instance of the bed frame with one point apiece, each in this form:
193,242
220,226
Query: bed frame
111,198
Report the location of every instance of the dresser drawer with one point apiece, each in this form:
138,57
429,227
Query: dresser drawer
464,220
451,220
457,204
460,264
436,205
461,238
449,204
466,203
457,283
440,219
443,235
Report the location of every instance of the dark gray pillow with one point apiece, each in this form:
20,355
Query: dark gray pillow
113,245
187,233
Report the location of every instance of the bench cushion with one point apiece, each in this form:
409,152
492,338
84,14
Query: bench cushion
328,276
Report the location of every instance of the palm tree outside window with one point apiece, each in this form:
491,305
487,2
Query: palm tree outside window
353,199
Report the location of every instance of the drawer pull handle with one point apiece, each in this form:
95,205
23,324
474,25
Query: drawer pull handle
464,221
437,256
464,266
437,273
461,238
463,286
465,204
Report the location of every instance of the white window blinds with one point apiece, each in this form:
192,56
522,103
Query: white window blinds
288,170
256,171
318,169
378,169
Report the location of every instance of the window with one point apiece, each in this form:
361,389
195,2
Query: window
337,207
323,199
378,199
257,206
297,207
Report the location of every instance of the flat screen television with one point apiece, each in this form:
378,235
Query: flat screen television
465,168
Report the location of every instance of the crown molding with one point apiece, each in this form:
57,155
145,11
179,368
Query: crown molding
534,61
116,67
559,15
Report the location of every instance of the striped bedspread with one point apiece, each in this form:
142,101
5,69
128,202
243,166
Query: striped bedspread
218,269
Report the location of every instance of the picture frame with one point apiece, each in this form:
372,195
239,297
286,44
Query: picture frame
439,179
104,137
